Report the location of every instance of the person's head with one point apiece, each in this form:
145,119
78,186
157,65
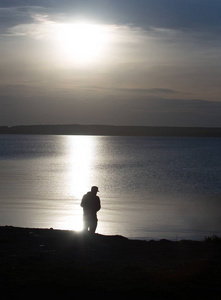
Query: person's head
94,189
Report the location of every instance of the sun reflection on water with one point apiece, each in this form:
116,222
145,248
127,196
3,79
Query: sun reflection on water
80,155
80,152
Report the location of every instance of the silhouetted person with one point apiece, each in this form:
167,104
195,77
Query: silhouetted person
91,205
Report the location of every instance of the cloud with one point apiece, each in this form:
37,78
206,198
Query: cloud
171,14
40,27
165,20
173,112
88,106
150,91
14,16
137,91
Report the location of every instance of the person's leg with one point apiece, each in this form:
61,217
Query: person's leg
93,226
85,223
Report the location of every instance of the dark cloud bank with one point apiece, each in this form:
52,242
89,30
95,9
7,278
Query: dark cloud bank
146,111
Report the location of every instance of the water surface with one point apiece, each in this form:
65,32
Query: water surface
149,187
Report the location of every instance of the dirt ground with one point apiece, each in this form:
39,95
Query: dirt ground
58,264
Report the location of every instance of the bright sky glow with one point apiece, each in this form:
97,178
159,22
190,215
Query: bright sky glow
82,42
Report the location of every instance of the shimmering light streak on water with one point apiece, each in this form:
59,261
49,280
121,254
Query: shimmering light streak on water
80,154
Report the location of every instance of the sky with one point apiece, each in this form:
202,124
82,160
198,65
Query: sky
114,62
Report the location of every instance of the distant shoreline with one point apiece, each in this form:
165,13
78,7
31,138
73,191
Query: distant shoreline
111,130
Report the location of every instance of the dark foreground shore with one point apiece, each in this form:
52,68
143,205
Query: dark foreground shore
58,264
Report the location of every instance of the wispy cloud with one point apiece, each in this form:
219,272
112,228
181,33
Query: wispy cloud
137,91
35,25
14,16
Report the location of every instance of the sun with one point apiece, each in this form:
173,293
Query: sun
82,42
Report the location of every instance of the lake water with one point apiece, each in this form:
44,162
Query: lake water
150,188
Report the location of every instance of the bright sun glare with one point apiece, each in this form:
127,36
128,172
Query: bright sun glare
82,42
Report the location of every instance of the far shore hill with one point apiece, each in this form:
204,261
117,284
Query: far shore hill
110,130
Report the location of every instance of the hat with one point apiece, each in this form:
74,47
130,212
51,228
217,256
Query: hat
94,188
